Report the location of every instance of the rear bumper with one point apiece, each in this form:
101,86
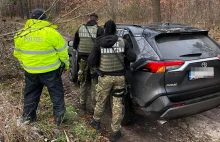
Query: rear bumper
162,107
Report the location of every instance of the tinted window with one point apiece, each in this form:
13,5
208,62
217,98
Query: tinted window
121,32
146,51
187,47
136,31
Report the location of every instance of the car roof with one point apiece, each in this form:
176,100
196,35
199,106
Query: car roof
155,29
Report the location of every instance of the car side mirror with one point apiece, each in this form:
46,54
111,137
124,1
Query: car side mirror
70,43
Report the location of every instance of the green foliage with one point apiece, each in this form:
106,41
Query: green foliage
14,2
71,115
61,139
84,133
74,125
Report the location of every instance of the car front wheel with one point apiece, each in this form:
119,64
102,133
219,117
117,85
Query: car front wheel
73,71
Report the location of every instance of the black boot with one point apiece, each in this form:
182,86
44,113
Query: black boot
83,108
115,136
94,124
60,119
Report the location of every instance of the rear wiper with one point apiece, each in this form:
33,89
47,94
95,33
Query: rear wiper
191,55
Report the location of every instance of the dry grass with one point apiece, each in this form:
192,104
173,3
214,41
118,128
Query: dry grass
10,67
11,97
11,100
10,110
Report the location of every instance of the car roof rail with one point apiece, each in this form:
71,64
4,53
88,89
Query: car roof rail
121,24
159,24
167,24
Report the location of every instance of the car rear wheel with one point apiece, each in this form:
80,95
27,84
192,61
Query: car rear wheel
128,115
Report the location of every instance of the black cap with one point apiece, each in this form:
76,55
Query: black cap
36,14
94,14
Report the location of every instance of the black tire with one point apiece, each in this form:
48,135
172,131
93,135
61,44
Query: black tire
128,115
74,67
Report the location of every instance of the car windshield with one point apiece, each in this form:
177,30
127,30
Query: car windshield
187,47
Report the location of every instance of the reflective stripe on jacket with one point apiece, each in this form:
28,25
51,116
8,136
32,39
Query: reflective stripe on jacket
40,48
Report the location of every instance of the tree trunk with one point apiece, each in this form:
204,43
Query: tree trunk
27,11
112,7
11,13
13,10
156,10
30,4
21,9
58,8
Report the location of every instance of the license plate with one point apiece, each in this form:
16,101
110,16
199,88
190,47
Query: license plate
201,72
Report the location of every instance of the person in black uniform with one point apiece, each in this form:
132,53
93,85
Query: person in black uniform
108,57
84,41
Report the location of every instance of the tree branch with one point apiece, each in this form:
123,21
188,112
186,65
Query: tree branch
14,32
72,19
71,11
55,21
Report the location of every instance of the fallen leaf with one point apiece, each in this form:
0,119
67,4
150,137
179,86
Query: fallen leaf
52,119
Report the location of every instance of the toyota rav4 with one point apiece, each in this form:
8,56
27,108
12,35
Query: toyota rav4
176,74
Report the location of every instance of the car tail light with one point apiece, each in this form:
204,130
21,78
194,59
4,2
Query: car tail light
160,67
177,105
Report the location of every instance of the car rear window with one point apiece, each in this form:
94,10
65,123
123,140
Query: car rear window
145,49
187,47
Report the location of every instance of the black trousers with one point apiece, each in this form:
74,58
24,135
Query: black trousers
33,89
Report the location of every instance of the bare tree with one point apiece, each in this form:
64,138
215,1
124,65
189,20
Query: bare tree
58,20
156,10
26,6
21,9
112,8
1,7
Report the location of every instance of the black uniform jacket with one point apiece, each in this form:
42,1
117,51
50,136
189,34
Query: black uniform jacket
107,41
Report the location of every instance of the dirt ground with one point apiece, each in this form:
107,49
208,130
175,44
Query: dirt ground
204,127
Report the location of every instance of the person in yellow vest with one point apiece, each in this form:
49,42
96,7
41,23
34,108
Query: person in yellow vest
41,51
84,41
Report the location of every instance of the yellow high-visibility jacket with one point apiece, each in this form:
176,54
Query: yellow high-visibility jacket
40,48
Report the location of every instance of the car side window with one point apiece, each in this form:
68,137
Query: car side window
146,51
119,32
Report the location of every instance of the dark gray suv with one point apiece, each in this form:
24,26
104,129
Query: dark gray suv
176,74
